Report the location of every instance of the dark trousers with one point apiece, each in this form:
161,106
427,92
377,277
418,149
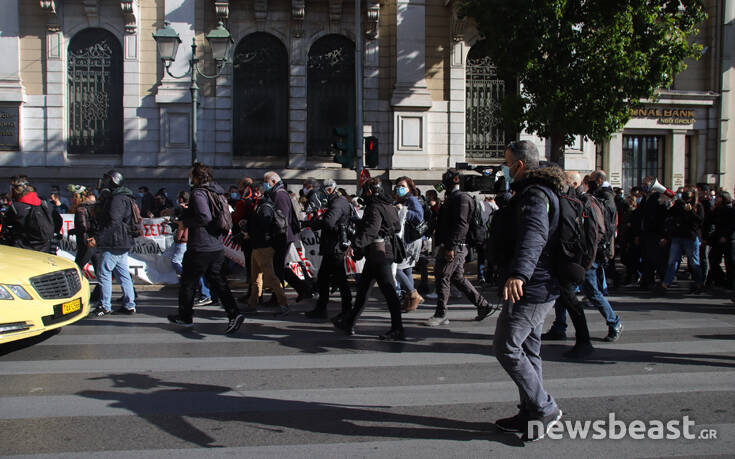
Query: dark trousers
332,272
303,287
655,258
568,301
85,254
377,269
207,264
452,272
716,254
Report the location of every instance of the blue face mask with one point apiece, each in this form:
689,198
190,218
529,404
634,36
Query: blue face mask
678,195
638,199
267,186
191,184
506,174
235,195
140,195
401,191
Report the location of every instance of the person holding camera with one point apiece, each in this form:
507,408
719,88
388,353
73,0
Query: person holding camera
374,240
684,225
335,239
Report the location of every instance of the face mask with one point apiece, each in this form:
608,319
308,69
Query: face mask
191,184
267,186
678,195
235,195
165,194
140,195
401,191
638,199
305,191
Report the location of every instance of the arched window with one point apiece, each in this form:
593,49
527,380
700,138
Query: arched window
260,107
330,92
486,131
95,83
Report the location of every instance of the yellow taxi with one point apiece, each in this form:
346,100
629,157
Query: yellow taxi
38,292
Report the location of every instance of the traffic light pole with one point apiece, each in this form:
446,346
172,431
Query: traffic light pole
359,152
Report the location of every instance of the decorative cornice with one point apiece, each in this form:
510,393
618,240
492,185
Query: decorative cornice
298,13
49,7
222,9
373,19
335,13
129,19
457,23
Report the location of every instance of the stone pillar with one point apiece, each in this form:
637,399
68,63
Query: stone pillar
411,99
613,163
678,160
173,96
726,163
11,88
457,103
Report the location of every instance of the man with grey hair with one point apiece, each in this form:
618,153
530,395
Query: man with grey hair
525,259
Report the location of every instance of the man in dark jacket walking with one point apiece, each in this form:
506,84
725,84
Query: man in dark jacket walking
451,235
277,193
332,248
30,223
205,253
530,288
111,235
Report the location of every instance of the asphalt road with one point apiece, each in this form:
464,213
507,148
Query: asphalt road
137,386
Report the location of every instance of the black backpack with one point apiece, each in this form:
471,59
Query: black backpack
477,232
279,224
39,227
220,210
606,248
135,226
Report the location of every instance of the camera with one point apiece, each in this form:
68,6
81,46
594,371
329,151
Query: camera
346,233
487,182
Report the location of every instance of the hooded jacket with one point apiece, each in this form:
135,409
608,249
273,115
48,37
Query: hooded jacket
113,215
339,212
16,221
379,221
530,225
202,237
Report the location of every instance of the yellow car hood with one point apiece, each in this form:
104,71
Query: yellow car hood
18,265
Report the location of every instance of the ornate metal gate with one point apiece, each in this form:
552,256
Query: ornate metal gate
485,130
330,91
95,83
260,121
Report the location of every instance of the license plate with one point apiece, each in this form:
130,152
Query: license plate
71,306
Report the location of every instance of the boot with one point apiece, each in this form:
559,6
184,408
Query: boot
414,300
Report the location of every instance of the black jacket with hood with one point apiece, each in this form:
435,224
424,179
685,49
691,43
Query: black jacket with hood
113,216
524,244
378,222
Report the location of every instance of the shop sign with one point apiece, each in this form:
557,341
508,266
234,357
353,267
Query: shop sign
9,128
665,115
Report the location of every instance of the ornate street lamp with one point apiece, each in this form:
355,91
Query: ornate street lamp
168,41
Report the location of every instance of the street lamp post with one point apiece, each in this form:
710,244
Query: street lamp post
168,41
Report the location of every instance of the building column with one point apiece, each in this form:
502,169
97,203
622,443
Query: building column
613,162
678,159
726,163
173,96
411,99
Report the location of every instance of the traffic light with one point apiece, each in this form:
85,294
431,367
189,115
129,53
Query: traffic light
371,152
345,146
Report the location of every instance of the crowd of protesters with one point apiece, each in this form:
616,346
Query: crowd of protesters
517,233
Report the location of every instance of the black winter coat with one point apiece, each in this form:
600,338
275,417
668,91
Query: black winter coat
454,219
197,217
684,224
113,216
378,222
338,214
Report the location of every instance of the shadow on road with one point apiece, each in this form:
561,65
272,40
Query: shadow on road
168,405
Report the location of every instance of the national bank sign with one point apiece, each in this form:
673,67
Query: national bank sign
665,115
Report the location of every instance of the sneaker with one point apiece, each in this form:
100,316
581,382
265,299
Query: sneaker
536,429
99,311
176,319
282,312
125,311
613,333
202,301
393,335
341,326
579,351
513,424
554,335
485,311
431,296
435,321
316,314
234,324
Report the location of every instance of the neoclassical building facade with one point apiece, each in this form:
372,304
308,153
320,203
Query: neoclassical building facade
82,90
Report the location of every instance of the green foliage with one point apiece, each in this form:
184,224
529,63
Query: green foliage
584,63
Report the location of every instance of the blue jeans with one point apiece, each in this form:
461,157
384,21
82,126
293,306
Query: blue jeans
404,279
681,246
177,257
591,290
518,349
119,265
